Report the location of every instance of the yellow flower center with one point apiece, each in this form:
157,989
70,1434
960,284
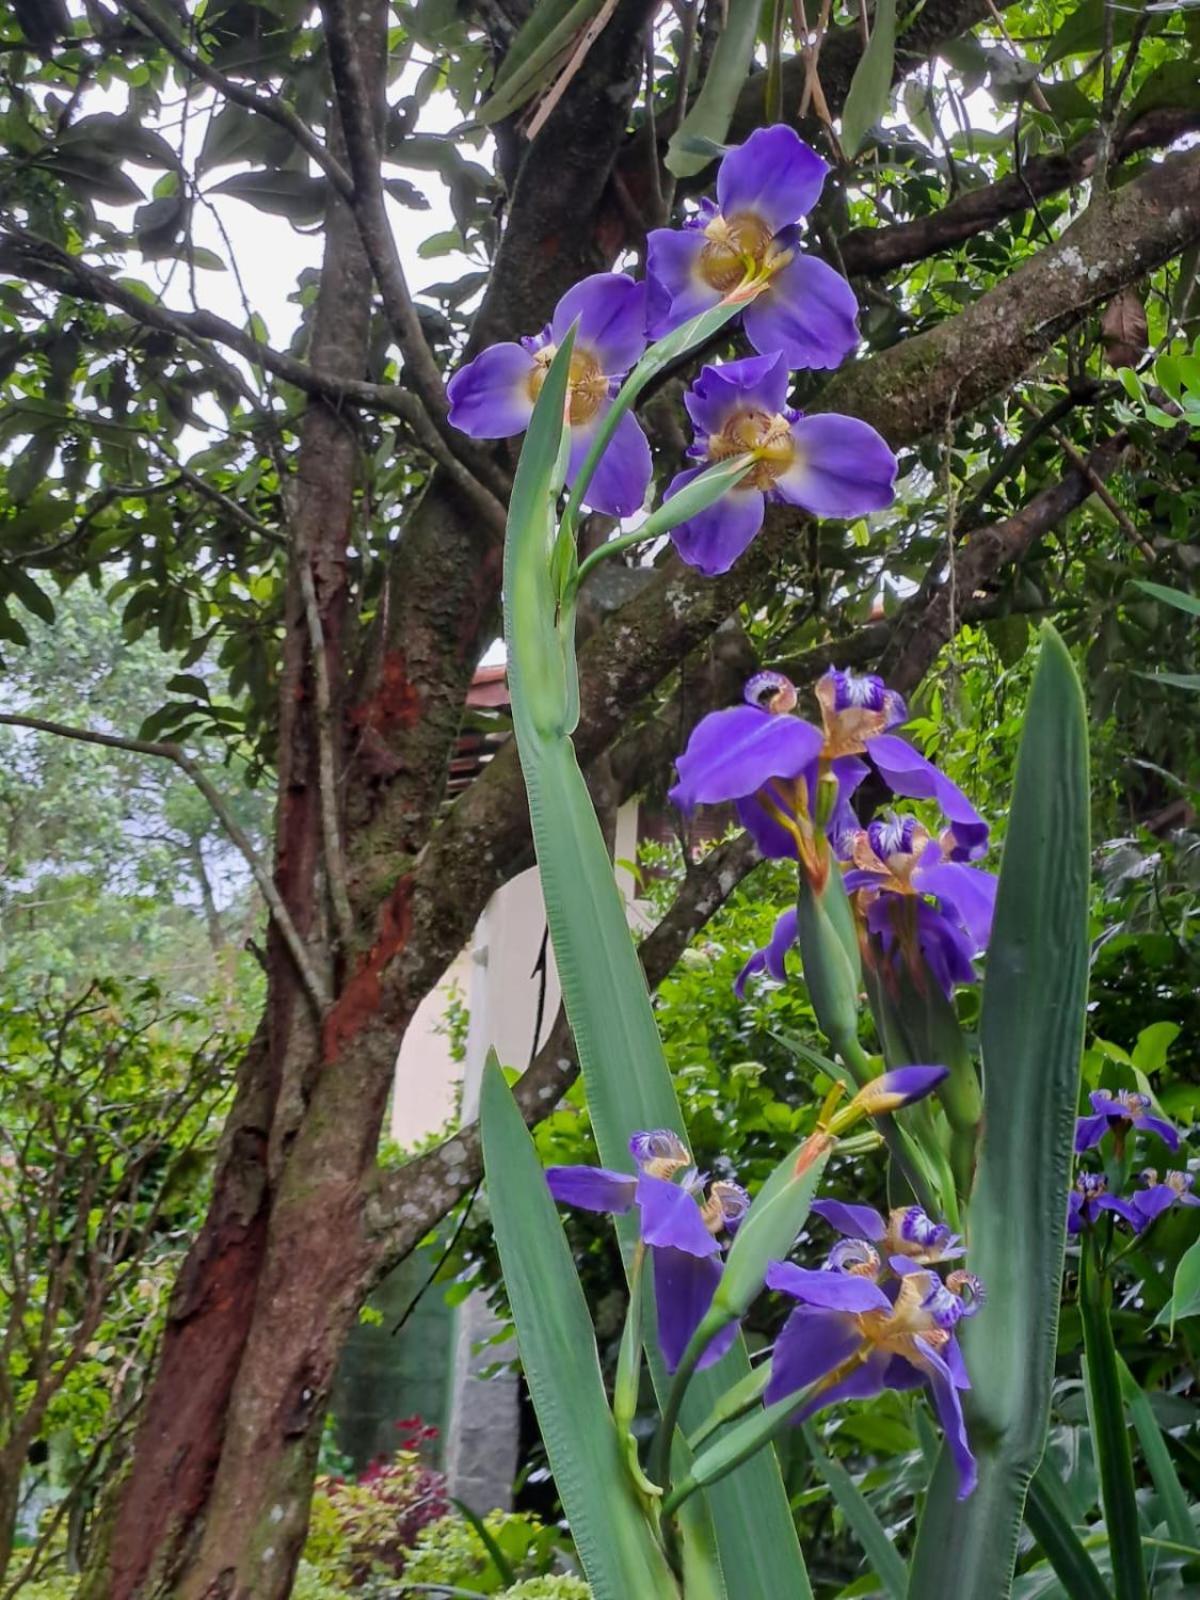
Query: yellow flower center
767,438
737,248
587,385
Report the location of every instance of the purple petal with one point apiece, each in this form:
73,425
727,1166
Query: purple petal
1156,1125
1089,1131
863,1383
735,752
684,1285
771,957
1103,1101
675,290
907,772
810,1344
714,538
592,1188
1125,1209
1149,1204
774,176
855,1222
949,1410
834,1291
671,1217
899,1087
774,841
968,891
1074,1213
808,312
757,382
489,397
953,1357
618,486
842,468
947,951
611,309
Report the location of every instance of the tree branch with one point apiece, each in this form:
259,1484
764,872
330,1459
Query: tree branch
237,836
270,107
358,112
869,252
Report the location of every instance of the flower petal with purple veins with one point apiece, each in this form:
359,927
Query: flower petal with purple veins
684,1285
907,772
834,1291
593,1188
774,176
671,1217
714,538
490,397
622,475
810,1344
675,291
611,312
808,312
842,467
757,381
771,958
735,752
854,1222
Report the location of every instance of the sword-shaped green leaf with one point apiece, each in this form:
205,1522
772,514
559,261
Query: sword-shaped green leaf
712,111
626,1078
1032,1036
614,1539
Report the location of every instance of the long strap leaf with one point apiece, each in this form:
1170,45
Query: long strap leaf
558,1353
625,1074
868,1530
1110,1431
1051,1527
1032,1036
1171,1493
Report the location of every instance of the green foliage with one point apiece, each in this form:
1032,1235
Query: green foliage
451,1551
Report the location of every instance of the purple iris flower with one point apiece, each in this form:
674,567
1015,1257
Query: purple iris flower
745,245
1155,1198
1090,1197
918,902
831,465
678,1224
908,1239
1117,1114
770,764
851,1337
492,397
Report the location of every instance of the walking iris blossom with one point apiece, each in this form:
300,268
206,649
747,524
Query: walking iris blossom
492,397
1090,1197
1155,1198
852,1336
745,245
831,465
916,901
679,1225
908,1239
1117,1114
772,765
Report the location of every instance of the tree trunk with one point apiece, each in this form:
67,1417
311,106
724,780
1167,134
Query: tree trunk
216,1499
10,1499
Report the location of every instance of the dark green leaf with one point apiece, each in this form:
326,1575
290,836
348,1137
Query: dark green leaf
871,85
